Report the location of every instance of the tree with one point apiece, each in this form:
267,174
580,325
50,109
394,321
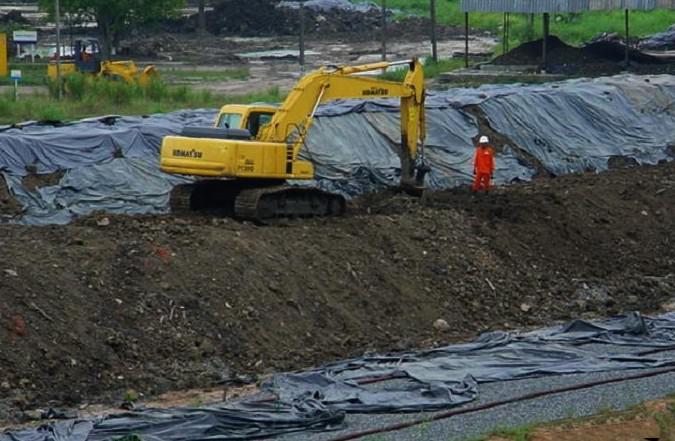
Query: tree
116,17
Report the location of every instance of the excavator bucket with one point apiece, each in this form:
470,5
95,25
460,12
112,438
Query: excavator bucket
148,75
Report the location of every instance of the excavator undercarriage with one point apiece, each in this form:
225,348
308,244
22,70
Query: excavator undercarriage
255,200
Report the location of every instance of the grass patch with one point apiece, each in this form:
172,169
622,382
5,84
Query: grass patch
86,96
32,74
523,433
572,28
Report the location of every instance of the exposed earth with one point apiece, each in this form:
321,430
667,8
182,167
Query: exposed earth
157,303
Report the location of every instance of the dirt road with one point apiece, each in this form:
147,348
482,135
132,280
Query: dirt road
160,303
272,62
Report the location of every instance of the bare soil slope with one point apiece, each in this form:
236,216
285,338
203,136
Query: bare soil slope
159,303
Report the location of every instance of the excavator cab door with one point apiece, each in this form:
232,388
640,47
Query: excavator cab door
256,120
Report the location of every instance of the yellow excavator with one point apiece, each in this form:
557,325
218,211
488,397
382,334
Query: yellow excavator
85,57
244,162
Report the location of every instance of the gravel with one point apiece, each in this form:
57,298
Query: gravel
616,396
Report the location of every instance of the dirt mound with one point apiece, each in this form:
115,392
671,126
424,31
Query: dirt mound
154,303
602,57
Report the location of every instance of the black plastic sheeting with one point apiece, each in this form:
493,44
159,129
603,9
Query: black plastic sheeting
663,41
317,400
111,164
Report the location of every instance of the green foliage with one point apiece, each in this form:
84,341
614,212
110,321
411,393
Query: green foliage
116,17
156,90
86,96
572,28
131,396
51,112
32,74
180,93
666,422
76,85
523,433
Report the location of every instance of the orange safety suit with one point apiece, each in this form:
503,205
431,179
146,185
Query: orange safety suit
483,167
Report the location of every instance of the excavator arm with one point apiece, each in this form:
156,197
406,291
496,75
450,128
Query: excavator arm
294,118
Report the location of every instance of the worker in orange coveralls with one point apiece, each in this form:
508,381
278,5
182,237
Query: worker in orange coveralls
483,165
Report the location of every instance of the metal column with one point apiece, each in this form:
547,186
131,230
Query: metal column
302,36
466,40
57,15
384,30
434,42
626,60
544,54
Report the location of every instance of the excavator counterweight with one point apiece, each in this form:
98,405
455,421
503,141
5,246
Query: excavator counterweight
245,162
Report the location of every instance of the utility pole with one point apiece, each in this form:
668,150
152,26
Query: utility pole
434,42
302,36
626,60
384,30
201,20
57,14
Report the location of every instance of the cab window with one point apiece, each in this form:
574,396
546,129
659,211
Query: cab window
229,121
256,120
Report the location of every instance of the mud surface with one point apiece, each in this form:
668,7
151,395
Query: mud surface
9,206
92,309
32,181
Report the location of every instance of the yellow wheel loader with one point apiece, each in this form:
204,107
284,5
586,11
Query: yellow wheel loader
243,162
85,57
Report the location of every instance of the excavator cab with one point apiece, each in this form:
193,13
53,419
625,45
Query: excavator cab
243,117
87,55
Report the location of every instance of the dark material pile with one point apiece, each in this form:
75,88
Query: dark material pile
602,57
254,18
663,41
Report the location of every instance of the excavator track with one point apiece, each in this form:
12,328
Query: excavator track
254,201
285,201
180,198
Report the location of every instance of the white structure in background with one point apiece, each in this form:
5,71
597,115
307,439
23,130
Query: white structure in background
25,42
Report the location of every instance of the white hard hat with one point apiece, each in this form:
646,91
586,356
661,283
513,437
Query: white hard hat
483,140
